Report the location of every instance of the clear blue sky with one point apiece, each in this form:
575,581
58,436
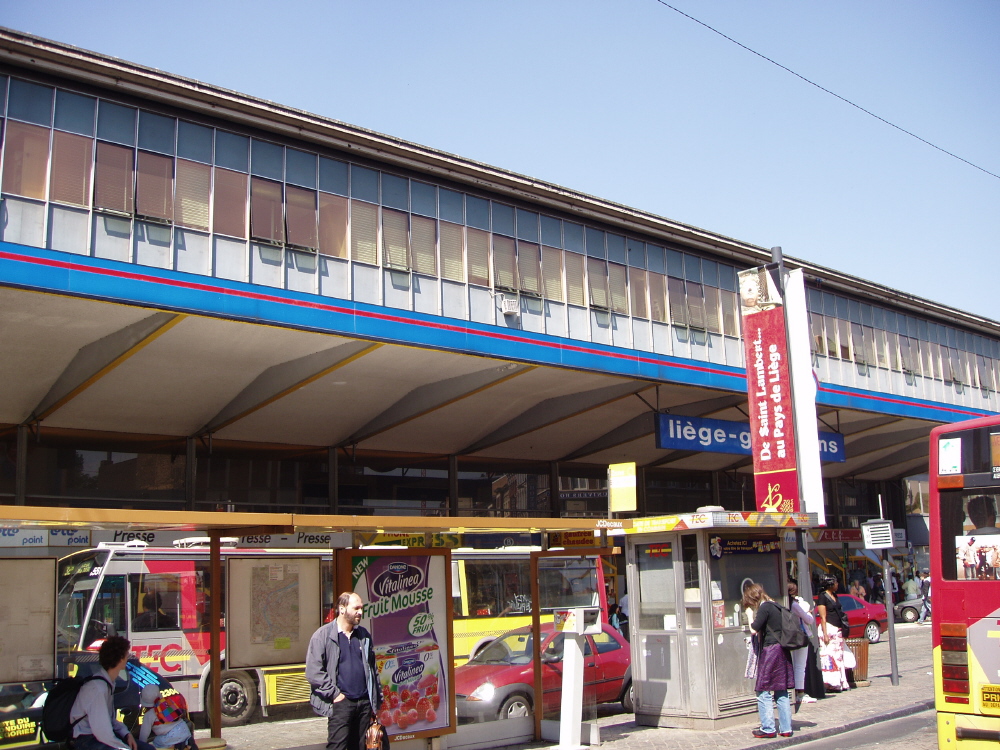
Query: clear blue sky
632,102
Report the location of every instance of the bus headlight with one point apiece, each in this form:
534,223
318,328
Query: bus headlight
484,692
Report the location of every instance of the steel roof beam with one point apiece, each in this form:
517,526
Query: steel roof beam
434,396
554,410
278,381
95,360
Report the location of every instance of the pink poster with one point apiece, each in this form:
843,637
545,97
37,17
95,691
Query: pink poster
406,609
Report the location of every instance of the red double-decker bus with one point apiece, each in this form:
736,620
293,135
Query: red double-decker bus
965,582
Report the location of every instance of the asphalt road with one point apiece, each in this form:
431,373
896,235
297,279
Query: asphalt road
916,732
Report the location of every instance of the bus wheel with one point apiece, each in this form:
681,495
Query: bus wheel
239,698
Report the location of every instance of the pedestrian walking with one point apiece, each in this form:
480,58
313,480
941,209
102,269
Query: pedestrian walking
925,596
340,667
775,674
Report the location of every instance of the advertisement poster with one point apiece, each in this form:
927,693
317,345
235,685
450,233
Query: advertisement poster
407,598
772,438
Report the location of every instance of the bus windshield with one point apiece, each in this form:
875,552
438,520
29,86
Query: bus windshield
78,577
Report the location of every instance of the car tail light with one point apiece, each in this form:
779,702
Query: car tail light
955,686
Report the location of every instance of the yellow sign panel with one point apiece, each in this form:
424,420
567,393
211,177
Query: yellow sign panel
621,487
990,696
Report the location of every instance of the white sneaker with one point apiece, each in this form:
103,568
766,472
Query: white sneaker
807,699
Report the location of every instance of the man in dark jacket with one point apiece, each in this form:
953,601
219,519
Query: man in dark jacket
340,667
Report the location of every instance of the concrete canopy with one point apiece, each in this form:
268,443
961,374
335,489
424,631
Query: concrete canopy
82,364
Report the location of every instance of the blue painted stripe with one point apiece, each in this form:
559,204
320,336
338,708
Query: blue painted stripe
114,281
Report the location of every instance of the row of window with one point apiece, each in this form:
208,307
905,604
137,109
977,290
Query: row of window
125,163
872,336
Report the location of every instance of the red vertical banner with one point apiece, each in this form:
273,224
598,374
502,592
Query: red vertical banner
769,392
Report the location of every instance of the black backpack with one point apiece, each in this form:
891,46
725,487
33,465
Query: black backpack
58,705
792,636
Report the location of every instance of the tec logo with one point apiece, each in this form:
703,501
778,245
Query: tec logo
156,656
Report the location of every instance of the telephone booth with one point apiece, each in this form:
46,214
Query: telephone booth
688,630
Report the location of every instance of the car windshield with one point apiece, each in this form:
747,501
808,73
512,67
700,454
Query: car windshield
511,648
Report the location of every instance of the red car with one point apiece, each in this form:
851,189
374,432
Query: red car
864,619
498,682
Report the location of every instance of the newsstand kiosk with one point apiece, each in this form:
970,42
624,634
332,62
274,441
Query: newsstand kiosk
686,575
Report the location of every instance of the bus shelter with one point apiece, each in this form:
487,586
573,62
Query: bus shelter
348,534
689,633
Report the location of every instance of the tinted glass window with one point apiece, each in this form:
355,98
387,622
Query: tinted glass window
333,176
452,208
156,132
364,184
116,123
527,225
232,151
266,159
423,199
395,192
75,113
194,142
477,212
573,236
503,219
551,232
595,243
616,248
300,168
654,259
30,102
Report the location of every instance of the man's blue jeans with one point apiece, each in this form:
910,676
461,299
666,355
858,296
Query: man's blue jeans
765,710
925,609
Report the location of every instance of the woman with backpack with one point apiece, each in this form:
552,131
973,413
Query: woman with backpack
775,675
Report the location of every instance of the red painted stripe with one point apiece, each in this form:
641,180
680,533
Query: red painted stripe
904,402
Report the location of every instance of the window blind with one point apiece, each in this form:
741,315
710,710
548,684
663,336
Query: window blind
713,318
731,317
423,240
230,204
657,297
479,256
333,225
194,182
696,305
364,232
575,283
113,179
26,159
504,263
452,260
678,301
395,239
154,186
72,157
618,287
300,217
637,292
597,282
529,267
266,219
552,286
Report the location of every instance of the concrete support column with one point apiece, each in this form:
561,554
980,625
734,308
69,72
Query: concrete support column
555,501
333,479
452,485
190,473
21,466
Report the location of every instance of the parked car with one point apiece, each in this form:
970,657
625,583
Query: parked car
498,682
908,610
864,619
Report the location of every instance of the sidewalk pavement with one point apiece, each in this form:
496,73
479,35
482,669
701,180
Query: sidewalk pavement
837,713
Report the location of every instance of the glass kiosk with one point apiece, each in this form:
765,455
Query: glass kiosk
686,575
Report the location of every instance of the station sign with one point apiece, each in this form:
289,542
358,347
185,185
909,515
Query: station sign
723,436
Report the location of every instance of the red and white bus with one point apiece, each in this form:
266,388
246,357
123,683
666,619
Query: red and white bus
160,599
965,582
